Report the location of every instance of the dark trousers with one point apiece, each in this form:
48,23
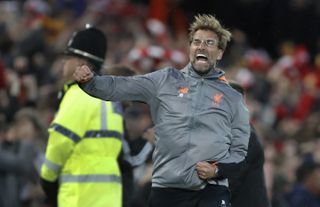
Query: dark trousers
210,196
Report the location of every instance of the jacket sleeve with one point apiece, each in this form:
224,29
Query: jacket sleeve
65,131
114,88
240,132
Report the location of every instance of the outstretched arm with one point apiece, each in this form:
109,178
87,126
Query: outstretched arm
118,88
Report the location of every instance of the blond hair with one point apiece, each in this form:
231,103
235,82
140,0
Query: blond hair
209,22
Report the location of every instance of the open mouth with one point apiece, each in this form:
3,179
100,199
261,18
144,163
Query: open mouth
201,57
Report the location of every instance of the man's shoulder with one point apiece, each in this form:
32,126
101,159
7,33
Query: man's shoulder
229,91
168,72
76,95
175,73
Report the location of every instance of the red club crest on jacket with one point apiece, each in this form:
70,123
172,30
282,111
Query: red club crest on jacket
182,91
217,99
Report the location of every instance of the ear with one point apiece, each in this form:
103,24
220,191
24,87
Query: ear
220,54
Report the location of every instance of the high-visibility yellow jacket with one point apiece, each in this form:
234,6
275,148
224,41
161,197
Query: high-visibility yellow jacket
83,146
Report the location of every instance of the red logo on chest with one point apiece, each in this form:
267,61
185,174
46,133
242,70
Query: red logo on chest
217,99
182,91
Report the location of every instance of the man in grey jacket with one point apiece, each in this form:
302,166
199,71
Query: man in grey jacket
201,123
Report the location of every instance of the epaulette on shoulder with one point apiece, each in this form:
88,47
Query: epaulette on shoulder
223,79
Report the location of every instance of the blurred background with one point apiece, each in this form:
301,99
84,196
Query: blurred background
274,54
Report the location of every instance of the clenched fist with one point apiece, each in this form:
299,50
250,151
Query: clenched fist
206,170
82,74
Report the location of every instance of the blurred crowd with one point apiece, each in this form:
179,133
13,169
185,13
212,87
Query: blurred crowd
282,84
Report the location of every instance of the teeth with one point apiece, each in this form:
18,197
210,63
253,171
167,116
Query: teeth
201,56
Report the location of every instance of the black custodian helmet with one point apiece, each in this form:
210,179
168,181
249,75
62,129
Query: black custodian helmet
89,43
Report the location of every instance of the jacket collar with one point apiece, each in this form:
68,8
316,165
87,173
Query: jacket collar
63,91
212,74
68,85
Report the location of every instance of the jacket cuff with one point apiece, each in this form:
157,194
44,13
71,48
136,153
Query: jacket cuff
230,170
51,191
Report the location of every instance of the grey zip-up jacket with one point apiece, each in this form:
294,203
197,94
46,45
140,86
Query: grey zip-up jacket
196,118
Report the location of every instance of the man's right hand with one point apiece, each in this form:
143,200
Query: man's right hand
83,74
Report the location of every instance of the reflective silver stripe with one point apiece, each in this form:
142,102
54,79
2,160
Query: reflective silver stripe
85,54
66,132
90,178
52,166
103,134
103,116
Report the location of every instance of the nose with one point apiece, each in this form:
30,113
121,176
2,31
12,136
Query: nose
202,46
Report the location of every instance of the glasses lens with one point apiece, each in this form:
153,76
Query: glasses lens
208,43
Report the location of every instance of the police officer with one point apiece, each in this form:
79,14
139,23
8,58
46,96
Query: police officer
81,167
